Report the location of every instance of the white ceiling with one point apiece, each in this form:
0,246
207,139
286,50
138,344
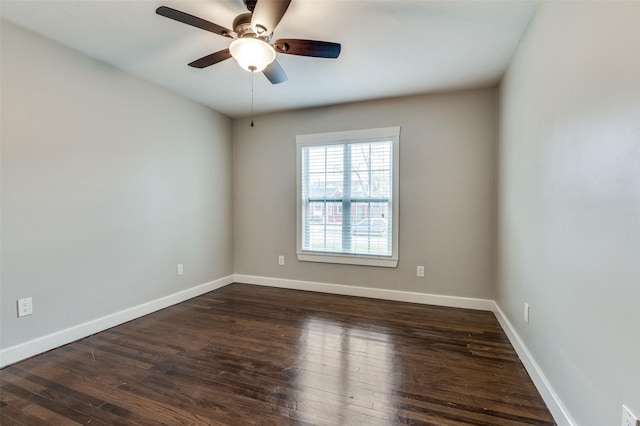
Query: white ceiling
389,47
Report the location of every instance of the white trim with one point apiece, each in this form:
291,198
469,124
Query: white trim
329,138
391,134
556,407
347,259
37,346
42,344
374,293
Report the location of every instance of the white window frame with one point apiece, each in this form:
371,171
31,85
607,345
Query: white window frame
366,135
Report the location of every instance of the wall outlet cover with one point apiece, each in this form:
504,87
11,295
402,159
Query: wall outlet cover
25,307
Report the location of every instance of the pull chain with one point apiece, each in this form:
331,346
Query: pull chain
252,69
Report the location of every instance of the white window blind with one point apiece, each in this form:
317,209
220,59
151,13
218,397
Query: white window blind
347,197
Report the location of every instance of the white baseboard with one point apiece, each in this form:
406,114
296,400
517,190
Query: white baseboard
556,407
37,346
374,293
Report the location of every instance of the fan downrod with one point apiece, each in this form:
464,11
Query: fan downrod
251,4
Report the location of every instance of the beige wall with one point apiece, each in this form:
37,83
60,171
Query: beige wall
447,168
569,202
108,182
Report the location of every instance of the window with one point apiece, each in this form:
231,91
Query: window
348,197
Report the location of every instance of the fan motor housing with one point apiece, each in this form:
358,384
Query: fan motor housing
242,24
242,27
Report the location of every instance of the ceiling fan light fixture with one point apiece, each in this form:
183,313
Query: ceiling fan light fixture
252,54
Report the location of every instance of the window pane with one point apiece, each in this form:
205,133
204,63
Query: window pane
371,228
346,196
325,237
368,229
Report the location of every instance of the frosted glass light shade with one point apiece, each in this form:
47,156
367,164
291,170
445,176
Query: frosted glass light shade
252,54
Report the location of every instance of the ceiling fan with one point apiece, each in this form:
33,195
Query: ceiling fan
252,33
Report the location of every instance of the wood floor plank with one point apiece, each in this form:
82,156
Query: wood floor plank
251,355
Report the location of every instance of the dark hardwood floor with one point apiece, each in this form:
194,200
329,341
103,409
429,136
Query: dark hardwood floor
245,355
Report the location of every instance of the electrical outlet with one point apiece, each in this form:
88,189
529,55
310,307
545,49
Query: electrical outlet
526,312
420,271
25,307
628,419
280,260
180,269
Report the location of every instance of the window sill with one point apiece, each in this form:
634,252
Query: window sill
385,262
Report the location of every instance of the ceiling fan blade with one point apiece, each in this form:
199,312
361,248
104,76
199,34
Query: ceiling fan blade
194,21
275,73
314,48
209,60
267,14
